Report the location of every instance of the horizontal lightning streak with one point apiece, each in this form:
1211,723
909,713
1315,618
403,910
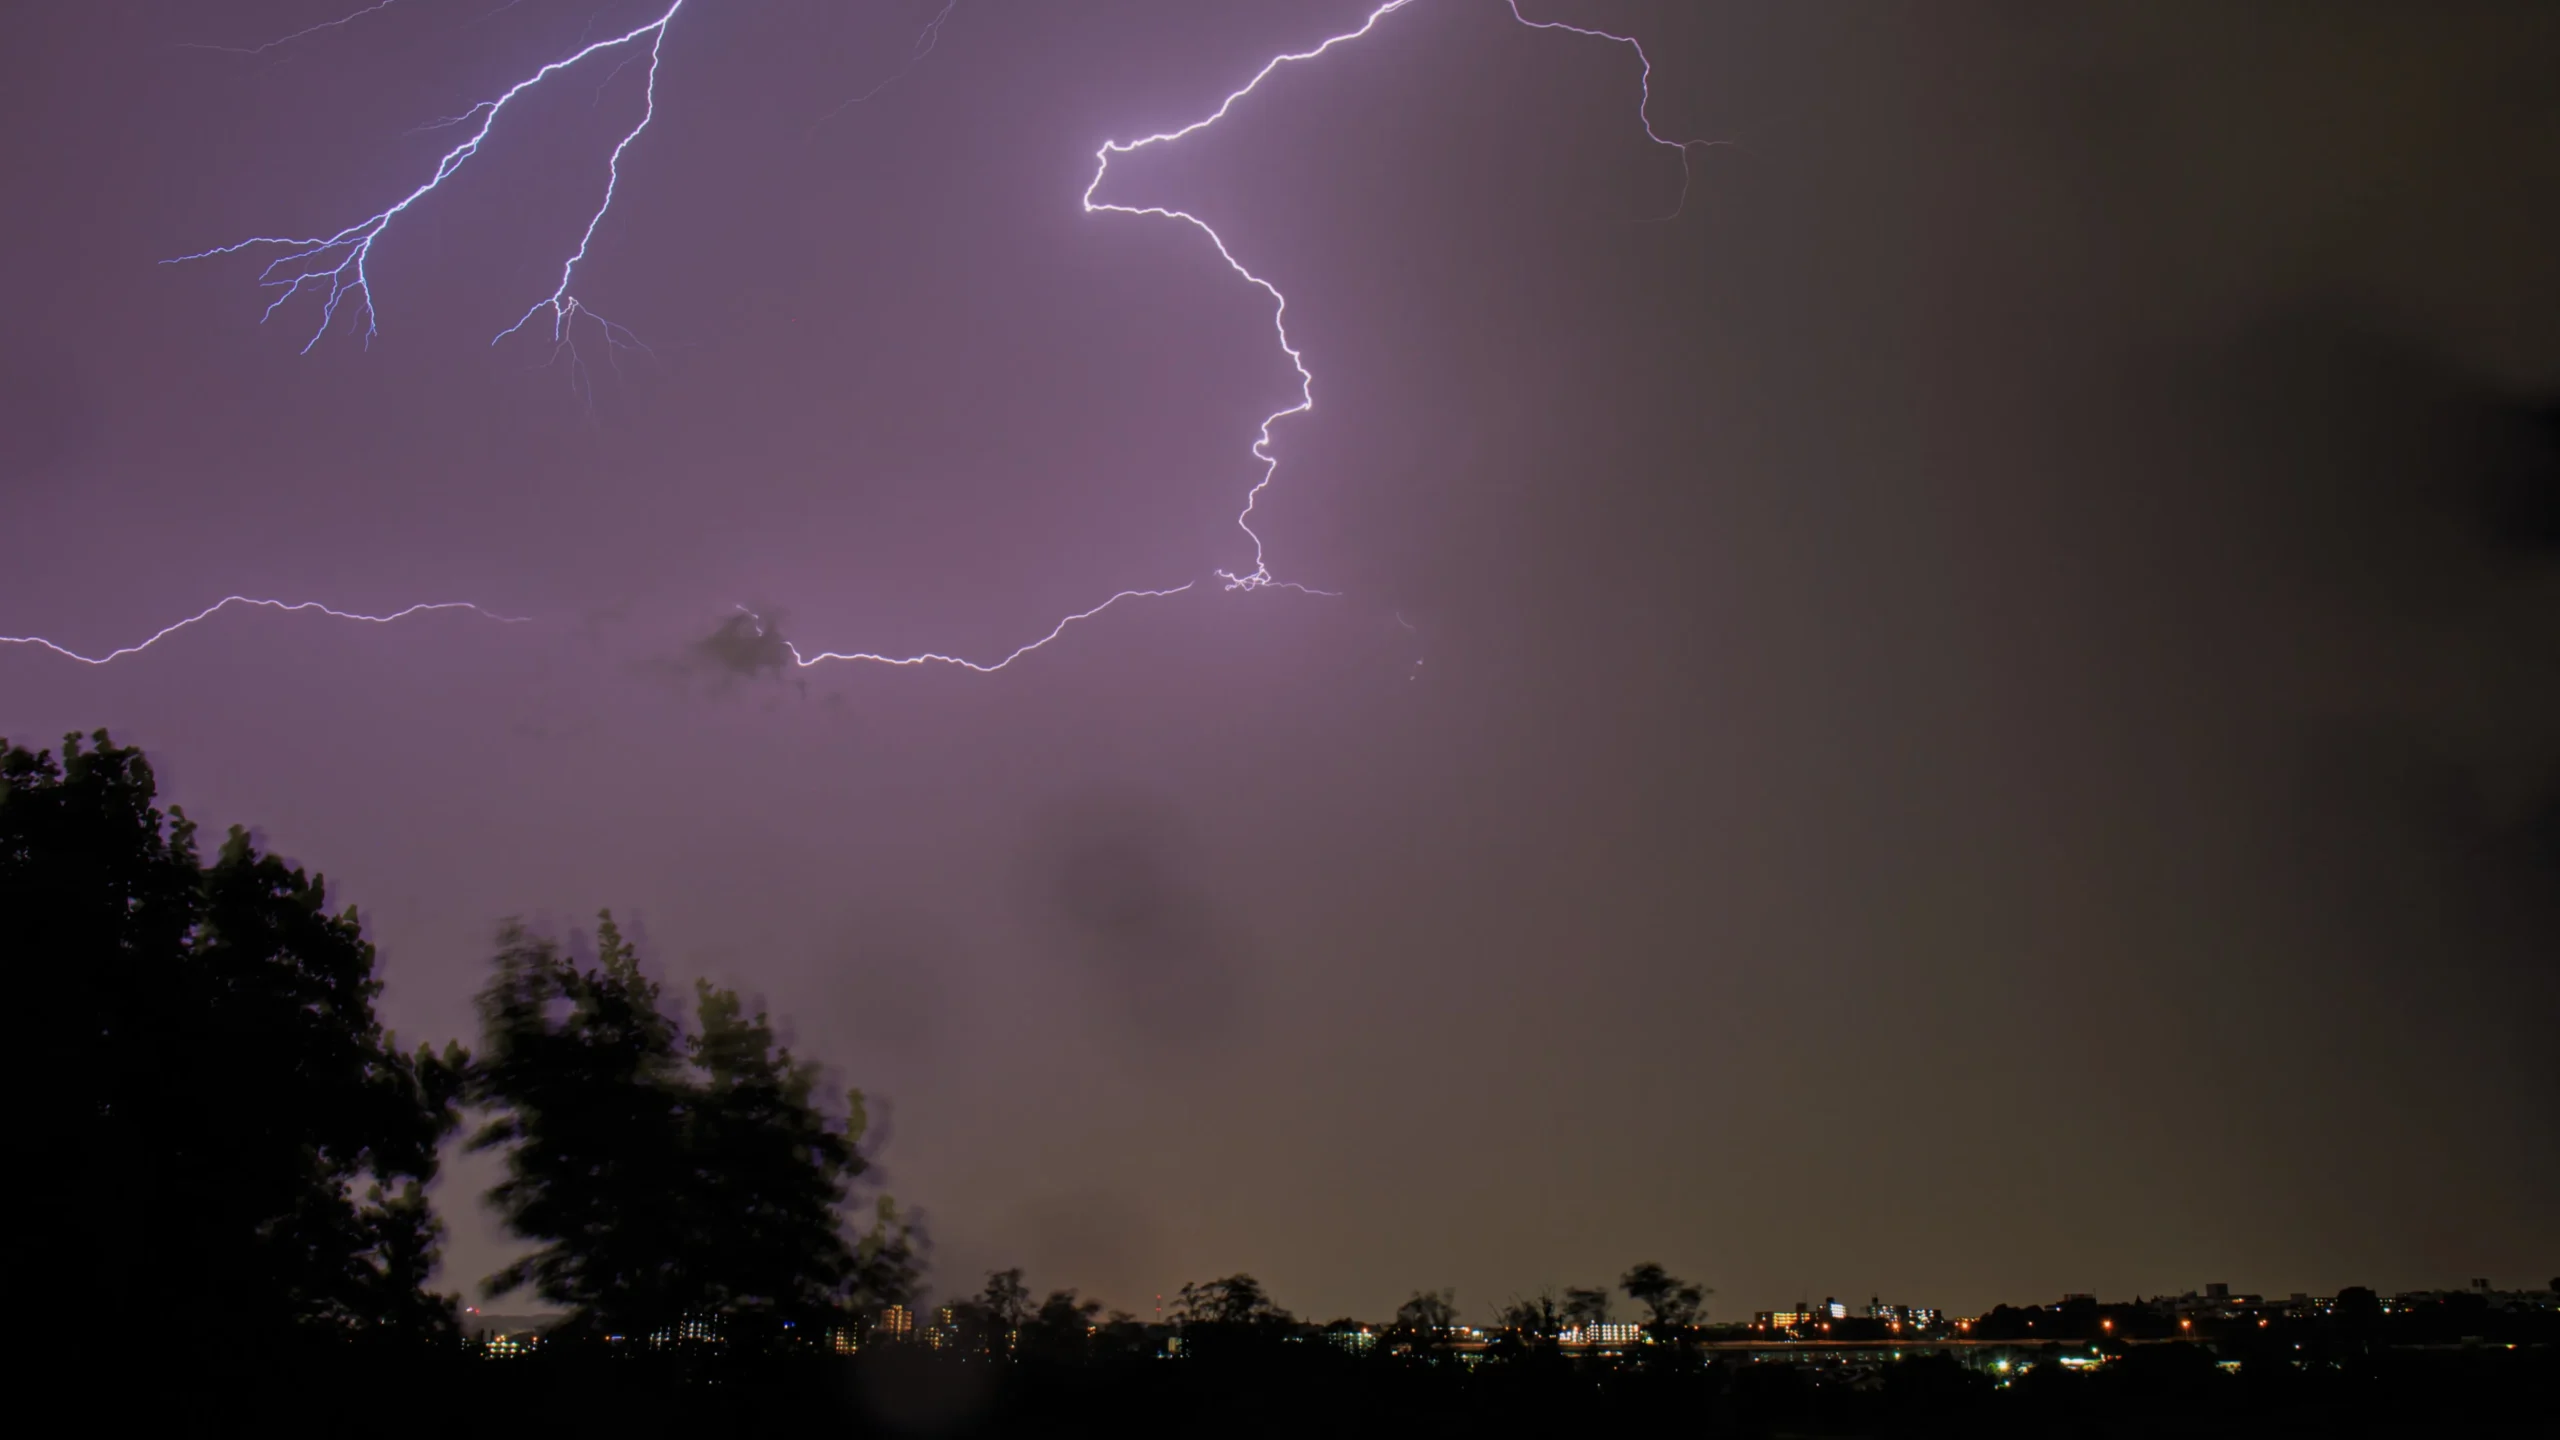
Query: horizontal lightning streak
983,668
228,601
341,262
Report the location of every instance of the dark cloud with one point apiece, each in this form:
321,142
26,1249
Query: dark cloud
744,646
1117,883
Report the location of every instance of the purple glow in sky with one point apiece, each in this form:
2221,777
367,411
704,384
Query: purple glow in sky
1994,665
341,275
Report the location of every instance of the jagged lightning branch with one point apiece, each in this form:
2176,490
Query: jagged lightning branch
1260,575
983,668
926,39
1644,94
284,40
341,261
228,601
563,306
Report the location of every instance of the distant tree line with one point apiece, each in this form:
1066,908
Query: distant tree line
216,1030
224,1160
227,1141
1233,1315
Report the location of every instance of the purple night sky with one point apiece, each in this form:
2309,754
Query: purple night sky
1976,715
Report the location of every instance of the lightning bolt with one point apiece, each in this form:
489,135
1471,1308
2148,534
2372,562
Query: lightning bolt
982,667
283,40
341,262
1260,575
227,601
564,307
339,270
926,39
1644,94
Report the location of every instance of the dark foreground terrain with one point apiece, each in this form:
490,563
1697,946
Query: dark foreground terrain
1302,1390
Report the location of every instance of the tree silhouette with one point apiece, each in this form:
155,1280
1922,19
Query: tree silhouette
1226,1316
227,1127
1673,1307
774,1175
1122,1337
581,1072
1061,1330
1235,1300
666,1175
2357,1315
1425,1322
1586,1308
1535,1324
991,1320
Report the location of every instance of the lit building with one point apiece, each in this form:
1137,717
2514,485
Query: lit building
691,1330
1803,1314
1358,1342
2217,1302
1605,1333
2495,1299
897,1323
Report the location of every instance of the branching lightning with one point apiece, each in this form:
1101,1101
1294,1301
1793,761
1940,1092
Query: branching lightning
227,601
340,263
1260,575
337,269
564,307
